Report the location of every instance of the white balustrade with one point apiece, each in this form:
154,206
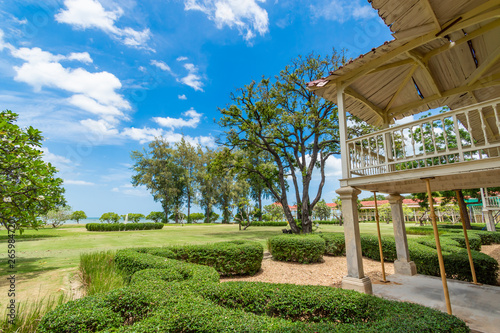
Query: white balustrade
466,134
493,202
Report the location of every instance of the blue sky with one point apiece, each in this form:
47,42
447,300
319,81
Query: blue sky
101,78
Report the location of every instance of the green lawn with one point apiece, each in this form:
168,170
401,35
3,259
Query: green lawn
47,259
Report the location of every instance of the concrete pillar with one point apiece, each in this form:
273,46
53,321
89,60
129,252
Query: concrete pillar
490,221
355,279
402,265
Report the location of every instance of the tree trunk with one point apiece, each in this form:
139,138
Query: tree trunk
463,208
260,205
189,207
207,214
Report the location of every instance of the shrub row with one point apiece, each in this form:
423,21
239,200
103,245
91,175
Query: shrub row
423,252
269,224
227,258
300,248
122,226
154,305
326,222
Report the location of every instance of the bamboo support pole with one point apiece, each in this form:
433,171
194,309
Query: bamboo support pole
377,219
438,247
462,217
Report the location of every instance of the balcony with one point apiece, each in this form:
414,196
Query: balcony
455,145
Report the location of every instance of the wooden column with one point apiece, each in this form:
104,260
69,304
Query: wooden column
438,247
462,217
379,236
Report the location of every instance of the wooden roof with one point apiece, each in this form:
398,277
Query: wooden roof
445,52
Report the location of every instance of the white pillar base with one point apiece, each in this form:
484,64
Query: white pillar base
363,285
405,268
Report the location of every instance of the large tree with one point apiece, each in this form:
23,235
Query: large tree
29,187
207,182
188,158
282,118
158,170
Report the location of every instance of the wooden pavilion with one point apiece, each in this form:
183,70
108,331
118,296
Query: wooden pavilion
444,53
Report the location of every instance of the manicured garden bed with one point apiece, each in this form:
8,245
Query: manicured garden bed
169,295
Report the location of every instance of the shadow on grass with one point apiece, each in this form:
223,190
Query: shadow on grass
26,237
26,268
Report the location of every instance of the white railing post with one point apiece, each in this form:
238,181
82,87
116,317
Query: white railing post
344,149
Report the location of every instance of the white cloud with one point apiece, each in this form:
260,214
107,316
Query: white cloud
193,79
129,189
77,182
245,15
92,92
90,14
181,58
193,121
342,10
82,57
142,135
100,127
161,65
183,97
56,160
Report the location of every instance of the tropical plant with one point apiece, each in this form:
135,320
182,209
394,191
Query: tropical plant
29,188
297,129
110,217
78,215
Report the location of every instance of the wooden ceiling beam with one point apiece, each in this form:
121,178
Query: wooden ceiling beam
488,62
476,33
401,86
463,21
493,80
425,67
427,4
353,93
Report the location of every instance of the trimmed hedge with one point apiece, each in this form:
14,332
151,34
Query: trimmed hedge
227,258
304,249
423,252
151,304
122,226
269,224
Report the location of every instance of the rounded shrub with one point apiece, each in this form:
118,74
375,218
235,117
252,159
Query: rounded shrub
304,249
168,295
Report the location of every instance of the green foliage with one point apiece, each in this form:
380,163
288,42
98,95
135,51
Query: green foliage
322,211
171,296
274,212
213,217
78,215
269,224
423,252
158,170
228,258
304,249
28,315
327,222
334,244
29,186
157,217
419,231
122,226
98,272
109,218
135,217
56,217
89,314
195,217
295,128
